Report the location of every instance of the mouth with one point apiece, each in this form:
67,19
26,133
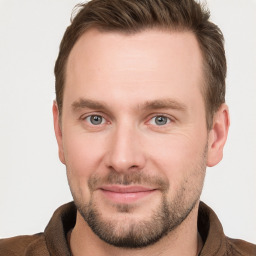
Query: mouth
125,194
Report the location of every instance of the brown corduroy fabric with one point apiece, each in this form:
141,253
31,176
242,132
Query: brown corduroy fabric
53,241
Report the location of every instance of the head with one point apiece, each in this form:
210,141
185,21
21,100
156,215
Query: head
131,17
140,113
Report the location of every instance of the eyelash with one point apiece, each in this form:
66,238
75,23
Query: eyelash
152,117
84,118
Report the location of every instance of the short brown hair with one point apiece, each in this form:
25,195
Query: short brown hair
132,16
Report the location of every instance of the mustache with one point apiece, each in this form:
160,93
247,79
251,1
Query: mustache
126,179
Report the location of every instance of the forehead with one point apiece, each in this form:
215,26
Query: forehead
150,63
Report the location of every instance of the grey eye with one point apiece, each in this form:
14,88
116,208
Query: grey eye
160,120
95,119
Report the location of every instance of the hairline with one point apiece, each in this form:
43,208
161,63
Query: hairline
129,32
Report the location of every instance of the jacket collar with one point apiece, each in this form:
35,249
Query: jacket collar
64,218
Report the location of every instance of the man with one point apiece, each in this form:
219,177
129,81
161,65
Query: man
139,114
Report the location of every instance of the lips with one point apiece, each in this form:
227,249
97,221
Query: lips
125,189
125,194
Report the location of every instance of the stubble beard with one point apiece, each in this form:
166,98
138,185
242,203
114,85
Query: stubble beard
136,234
165,218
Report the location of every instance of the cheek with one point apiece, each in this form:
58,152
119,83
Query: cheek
177,156
83,156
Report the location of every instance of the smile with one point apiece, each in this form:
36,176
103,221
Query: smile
125,194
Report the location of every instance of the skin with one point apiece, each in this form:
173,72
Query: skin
129,80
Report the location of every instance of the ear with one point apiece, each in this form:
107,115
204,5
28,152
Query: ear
218,135
58,132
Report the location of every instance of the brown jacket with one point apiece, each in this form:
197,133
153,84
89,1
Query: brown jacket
54,239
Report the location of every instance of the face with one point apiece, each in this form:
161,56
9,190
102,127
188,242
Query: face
133,133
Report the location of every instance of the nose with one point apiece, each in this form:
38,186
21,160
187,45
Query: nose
125,150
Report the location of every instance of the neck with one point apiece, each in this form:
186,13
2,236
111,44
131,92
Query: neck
184,240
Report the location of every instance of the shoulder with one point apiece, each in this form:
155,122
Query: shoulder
240,247
215,241
24,246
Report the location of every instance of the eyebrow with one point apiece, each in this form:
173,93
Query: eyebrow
87,103
164,104
148,105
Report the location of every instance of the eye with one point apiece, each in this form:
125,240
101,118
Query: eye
95,119
160,120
